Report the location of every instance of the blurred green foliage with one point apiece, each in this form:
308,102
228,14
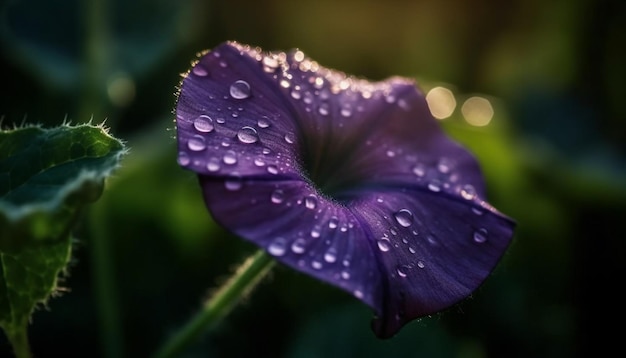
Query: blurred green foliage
554,156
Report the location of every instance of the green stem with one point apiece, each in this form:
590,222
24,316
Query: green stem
240,284
104,282
18,336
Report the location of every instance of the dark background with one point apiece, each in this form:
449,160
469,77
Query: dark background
553,155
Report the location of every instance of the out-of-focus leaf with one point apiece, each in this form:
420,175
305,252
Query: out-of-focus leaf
46,177
52,41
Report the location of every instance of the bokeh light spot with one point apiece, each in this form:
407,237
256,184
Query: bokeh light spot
441,102
477,111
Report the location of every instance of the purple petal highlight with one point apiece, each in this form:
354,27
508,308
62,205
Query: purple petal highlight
349,181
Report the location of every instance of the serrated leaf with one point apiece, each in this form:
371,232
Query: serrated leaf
46,177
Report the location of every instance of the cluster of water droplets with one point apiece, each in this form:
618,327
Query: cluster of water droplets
326,248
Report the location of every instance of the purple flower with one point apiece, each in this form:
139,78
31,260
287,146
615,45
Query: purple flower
349,181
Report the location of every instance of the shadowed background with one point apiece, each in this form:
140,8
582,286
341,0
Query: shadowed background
533,88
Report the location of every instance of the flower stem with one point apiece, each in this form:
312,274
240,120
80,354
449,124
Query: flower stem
241,283
105,288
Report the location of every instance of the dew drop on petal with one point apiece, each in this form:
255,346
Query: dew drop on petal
333,222
196,143
298,246
323,109
310,202
330,256
230,158
240,90
289,138
259,162
434,185
404,217
277,196
477,211
233,184
402,270
358,294
411,250
198,70
383,244
272,169
263,123
213,164
419,170
183,159
468,192
444,165
248,135
203,124
345,275
316,264
278,247
316,232
480,236
420,264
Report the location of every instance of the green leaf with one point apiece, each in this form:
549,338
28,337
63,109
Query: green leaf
46,177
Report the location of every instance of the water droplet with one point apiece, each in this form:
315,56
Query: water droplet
198,70
346,112
196,143
444,166
323,109
477,211
333,222
298,246
345,275
316,232
404,217
220,120
330,256
230,158
233,184
270,64
480,236
391,153
289,138
403,270
383,244
278,247
434,185
358,294
295,94
240,90
316,264
419,170
213,164
411,250
468,192
183,159
203,124
259,162
272,169
248,135
263,123
432,240
420,264
310,202
278,196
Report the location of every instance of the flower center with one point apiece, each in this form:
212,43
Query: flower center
331,170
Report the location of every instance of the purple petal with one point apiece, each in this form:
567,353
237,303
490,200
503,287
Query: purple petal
349,181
